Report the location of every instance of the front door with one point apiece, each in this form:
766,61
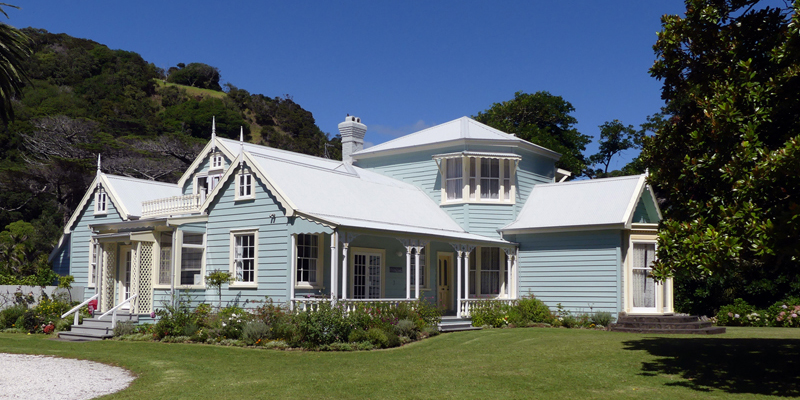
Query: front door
444,284
644,287
124,275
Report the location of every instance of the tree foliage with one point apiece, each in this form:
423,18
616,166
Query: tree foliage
543,119
615,138
14,52
84,98
727,158
197,75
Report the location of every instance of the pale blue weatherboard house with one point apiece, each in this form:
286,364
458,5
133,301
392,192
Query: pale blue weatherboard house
475,213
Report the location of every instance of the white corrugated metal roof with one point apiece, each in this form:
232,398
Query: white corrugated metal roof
356,197
598,202
463,128
132,192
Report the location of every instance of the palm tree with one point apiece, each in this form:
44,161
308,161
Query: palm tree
14,51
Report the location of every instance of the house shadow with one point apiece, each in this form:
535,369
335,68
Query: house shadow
756,366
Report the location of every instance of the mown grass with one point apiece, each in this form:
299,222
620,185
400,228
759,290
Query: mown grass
501,363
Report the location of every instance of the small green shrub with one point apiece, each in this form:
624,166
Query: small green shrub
31,321
123,328
377,337
392,340
365,346
528,310
136,337
176,339
429,331
569,321
255,332
63,325
358,335
406,328
602,318
231,342
276,344
10,315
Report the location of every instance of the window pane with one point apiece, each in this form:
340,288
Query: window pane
191,264
193,238
307,254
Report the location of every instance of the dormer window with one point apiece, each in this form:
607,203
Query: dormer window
100,202
217,162
489,177
244,186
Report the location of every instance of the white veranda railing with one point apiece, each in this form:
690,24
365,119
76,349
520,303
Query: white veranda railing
172,205
467,305
113,311
77,309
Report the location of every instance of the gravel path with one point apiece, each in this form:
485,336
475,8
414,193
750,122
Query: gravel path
27,377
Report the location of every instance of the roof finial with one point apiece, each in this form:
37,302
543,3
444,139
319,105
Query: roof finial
98,164
213,133
241,145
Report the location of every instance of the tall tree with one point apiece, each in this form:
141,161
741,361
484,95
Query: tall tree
727,158
14,52
615,138
543,119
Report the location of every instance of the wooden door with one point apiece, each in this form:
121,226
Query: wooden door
445,281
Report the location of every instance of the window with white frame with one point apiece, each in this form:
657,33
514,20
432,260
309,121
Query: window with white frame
192,251
485,264
101,202
165,263
453,179
245,254
206,184
423,283
217,161
488,179
94,261
244,186
309,262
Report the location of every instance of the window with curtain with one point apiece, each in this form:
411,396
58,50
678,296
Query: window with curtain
453,180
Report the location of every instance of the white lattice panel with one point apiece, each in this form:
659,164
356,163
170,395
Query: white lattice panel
134,288
109,267
145,284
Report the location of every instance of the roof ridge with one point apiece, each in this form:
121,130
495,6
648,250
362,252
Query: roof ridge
588,181
301,164
275,149
148,181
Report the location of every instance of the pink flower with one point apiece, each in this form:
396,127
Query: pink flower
794,315
730,315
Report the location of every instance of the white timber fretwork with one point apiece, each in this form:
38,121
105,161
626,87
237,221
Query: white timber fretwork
109,270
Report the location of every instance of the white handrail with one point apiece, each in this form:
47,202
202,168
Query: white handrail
113,311
77,308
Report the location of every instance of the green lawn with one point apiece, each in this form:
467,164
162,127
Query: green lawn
500,363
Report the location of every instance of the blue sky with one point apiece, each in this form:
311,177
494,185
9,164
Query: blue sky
400,66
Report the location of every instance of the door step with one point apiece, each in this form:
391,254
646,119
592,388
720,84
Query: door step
669,324
95,329
455,324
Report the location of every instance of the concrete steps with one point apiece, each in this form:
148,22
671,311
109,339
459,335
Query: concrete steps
95,329
455,324
669,324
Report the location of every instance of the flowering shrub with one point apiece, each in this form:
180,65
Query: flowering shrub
783,314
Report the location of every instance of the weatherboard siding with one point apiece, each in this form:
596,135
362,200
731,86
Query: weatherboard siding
531,171
205,165
418,169
580,270
80,240
486,219
272,269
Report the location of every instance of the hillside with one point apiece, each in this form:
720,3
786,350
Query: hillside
84,98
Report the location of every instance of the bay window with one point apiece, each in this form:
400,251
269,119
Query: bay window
488,179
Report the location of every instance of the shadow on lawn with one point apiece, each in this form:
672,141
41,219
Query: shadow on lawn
758,366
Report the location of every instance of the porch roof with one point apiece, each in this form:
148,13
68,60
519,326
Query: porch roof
132,192
405,229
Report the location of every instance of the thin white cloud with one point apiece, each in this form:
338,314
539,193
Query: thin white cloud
385,132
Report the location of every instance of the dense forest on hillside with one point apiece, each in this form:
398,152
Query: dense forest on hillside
85,99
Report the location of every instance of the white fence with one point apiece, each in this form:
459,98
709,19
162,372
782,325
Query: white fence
11,294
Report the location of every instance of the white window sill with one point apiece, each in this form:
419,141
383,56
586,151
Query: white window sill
457,202
215,169
161,287
243,285
100,213
307,286
190,287
244,198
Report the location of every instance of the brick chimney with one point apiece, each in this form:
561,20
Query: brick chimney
352,131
